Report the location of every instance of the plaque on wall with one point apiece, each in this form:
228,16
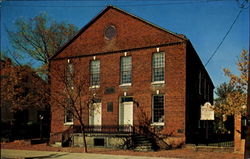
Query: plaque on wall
207,112
109,90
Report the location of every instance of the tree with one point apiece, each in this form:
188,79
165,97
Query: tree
22,88
221,120
40,37
234,101
222,92
71,94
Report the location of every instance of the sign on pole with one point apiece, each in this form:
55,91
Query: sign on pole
207,112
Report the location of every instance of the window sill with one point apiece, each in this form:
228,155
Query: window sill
68,123
157,124
158,82
125,85
96,86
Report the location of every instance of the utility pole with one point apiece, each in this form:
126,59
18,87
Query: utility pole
247,141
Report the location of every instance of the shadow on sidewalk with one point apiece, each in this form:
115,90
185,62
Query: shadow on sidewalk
47,156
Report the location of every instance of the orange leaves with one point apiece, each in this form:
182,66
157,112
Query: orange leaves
235,100
23,88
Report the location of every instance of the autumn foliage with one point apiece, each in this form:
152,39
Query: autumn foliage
22,88
235,100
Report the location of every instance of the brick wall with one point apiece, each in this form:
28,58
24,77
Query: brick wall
141,89
140,40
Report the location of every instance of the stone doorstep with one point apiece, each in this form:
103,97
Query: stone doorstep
56,144
143,148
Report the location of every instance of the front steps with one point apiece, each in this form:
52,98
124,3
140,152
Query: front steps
142,143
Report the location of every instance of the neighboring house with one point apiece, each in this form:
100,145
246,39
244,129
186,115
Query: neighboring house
19,122
139,68
7,114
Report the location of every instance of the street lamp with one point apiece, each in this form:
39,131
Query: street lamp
41,126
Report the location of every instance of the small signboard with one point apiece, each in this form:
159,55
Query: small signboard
207,111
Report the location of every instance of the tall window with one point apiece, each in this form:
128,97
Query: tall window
158,66
200,82
68,116
69,75
208,93
95,73
68,112
205,88
126,67
158,109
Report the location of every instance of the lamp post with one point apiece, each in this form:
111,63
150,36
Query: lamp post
41,126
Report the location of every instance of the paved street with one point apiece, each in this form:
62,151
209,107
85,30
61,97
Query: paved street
27,154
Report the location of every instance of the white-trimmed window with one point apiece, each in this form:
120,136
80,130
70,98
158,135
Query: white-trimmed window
68,117
68,112
95,73
69,75
158,109
126,69
158,67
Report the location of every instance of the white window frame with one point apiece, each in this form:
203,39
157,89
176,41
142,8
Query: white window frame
153,102
154,81
65,118
97,85
122,83
69,74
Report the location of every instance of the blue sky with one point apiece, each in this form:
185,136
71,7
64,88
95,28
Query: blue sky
204,22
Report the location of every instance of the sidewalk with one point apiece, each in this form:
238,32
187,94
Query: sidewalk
30,154
13,148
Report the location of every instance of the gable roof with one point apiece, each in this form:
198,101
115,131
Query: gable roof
182,37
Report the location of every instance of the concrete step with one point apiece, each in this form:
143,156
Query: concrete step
143,148
56,144
143,144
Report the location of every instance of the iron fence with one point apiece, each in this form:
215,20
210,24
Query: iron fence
127,129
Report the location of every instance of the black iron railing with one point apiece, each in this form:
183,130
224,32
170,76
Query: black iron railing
127,129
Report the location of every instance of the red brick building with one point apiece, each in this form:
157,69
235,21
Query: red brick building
138,68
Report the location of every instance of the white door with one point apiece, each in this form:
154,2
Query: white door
95,114
126,113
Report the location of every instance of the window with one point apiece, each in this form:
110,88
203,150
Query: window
208,92
158,109
200,82
158,66
68,112
126,67
110,32
205,88
99,142
69,75
95,73
68,116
